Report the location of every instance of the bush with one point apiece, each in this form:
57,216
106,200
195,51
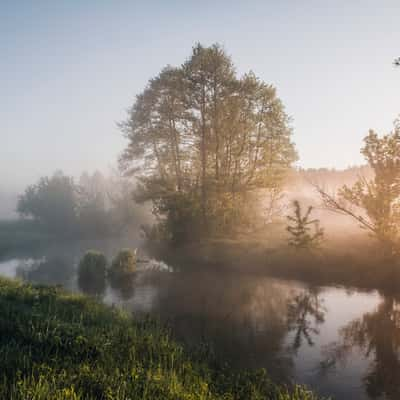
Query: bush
92,272
124,263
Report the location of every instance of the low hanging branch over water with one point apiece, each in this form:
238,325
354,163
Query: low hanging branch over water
335,204
374,203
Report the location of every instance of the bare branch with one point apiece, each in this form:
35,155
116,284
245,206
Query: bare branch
334,205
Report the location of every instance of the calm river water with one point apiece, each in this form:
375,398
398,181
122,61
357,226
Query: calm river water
343,343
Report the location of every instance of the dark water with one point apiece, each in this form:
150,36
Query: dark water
341,343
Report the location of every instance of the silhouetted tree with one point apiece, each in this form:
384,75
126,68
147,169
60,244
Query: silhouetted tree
375,203
52,202
200,137
95,207
305,233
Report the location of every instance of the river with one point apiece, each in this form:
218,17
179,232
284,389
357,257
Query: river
341,342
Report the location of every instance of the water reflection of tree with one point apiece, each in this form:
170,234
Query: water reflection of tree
305,312
242,317
123,284
377,335
47,270
94,285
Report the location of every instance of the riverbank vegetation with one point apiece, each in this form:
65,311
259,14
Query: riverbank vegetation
55,345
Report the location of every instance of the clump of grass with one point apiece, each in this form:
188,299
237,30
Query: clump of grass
55,345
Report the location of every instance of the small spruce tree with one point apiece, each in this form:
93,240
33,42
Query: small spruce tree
305,233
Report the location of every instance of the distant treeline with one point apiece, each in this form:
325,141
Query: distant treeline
95,206
334,178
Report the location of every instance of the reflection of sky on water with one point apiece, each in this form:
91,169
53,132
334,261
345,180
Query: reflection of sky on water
8,268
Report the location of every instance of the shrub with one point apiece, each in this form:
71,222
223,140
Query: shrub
92,272
124,263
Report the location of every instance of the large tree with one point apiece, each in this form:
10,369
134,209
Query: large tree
202,140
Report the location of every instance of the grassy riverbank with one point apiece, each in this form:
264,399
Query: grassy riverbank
55,345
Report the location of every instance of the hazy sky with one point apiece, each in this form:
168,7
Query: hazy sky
70,69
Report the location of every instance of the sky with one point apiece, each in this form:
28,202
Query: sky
69,70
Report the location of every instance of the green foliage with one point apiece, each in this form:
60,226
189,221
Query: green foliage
183,217
52,202
305,233
202,139
122,272
124,263
92,272
96,207
60,346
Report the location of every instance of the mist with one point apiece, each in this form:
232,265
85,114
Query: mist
200,201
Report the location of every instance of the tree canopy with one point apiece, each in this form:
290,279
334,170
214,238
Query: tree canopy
52,202
201,140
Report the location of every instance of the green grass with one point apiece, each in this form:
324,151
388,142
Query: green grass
56,345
